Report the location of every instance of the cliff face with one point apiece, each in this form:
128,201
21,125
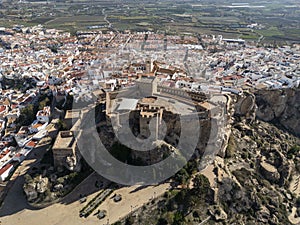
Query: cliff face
255,180
281,107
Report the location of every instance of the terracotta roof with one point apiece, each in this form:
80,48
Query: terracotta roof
2,108
31,144
5,168
37,125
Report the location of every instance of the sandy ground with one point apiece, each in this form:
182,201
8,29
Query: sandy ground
60,214
131,200
57,214
208,172
16,211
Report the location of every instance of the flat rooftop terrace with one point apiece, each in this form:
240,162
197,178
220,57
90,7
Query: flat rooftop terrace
72,114
65,139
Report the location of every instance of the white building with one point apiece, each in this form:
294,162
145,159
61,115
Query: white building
5,171
37,126
43,116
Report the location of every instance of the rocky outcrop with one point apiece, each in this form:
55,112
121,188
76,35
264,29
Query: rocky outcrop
281,107
35,187
72,164
42,185
263,215
30,191
245,106
232,195
218,213
269,172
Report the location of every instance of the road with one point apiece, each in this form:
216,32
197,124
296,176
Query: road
110,26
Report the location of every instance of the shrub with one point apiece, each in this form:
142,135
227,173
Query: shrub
162,221
129,220
178,218
293,151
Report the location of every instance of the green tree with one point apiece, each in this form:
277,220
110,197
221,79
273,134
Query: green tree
178,218
201,185
62,125
43,103
182,176
181,196
27,116
192,166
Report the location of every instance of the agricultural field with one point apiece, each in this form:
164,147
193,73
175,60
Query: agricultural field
274,20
